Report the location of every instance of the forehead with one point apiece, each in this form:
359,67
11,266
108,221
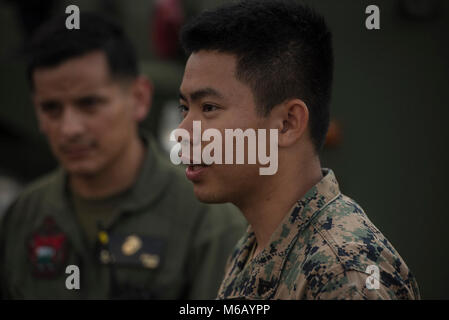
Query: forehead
212,69
75,75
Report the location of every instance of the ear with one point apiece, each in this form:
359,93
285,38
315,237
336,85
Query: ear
292,118
143,94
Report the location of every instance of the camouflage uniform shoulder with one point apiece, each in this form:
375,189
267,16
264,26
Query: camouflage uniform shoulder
352,237
342,243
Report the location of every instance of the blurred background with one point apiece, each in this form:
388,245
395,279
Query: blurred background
387,141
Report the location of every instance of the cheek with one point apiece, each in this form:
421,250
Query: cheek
112,138
124,117
234,178
113,123
50,129
45,124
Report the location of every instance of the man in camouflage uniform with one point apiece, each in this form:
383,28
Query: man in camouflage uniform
268,65
321,250
116,209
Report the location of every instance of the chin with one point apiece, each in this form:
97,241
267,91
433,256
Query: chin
83,169
208,195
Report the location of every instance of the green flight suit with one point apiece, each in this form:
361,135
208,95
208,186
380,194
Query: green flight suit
161,244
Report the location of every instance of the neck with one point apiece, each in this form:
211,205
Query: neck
115,178
266,208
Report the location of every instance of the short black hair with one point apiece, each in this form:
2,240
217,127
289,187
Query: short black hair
284,50
53,44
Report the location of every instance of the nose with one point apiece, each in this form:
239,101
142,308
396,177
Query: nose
71,123
192,141
187,124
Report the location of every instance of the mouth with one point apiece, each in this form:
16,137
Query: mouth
76,152
195,172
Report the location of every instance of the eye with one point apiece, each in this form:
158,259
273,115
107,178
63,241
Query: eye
51,108
209,108
89,103
183,110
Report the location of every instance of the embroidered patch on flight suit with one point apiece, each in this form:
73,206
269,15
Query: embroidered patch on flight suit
47,249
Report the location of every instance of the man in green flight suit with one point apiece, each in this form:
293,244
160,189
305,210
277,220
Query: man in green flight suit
117,211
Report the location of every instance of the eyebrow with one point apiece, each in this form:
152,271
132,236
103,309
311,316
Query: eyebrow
202,93
92,96
48,103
